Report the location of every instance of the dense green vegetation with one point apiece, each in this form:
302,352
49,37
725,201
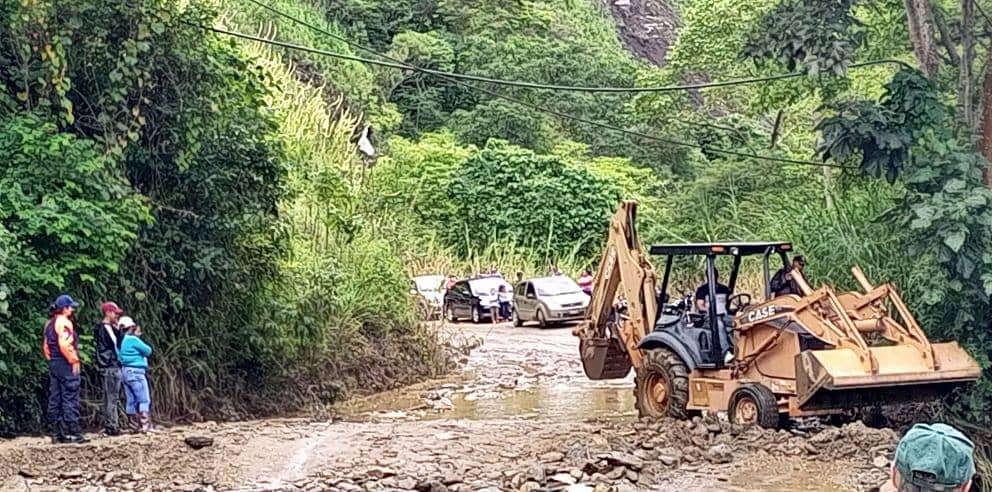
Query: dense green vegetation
213,186
203,186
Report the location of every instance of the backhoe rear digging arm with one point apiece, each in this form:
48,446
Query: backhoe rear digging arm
624,268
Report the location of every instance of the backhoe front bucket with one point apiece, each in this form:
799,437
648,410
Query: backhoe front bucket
834,378
604,358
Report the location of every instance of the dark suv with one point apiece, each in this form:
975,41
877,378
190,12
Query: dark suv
473,298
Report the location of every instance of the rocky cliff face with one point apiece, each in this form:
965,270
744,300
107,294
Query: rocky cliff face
646,27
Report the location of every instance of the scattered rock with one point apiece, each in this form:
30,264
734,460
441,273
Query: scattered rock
590,467
552,456
624,487
536,472
199,442
379,472
68,475
431,486
529,487
721,453
616,473
628,460
564,478
881,462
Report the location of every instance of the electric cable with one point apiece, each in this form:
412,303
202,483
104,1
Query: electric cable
393,63
703,147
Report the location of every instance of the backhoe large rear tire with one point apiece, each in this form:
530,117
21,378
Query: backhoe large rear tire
754,404
661,386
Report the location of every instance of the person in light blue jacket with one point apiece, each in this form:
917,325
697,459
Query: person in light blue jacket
133,355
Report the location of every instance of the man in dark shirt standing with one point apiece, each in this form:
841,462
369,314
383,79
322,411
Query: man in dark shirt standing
107,338
783,283
703,294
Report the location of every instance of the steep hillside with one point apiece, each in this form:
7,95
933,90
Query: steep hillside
648,28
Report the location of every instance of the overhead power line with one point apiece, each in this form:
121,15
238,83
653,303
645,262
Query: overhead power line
393,63
402,65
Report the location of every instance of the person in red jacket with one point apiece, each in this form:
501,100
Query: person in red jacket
585,281
62,352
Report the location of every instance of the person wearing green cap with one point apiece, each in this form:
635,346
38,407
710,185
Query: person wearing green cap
932,458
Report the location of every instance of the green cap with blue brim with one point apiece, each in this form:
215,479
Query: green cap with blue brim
934,457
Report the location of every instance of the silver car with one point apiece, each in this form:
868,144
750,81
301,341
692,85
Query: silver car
548,300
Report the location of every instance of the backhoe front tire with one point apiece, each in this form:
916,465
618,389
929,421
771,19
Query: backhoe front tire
661,387
754,404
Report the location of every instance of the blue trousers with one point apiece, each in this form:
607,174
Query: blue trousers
136,390
63,393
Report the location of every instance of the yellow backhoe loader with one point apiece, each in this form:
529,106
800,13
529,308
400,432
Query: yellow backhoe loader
818,352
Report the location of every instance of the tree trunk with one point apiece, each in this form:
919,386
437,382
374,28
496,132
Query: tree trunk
919,17
966,97
828,188
986,137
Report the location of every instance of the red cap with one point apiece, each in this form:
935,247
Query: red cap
110,307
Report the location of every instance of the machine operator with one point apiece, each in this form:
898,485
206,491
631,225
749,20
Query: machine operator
783,283
703,294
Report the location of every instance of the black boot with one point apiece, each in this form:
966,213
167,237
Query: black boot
58,433
75,434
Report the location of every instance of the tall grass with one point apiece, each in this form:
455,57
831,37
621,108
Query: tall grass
351,79
337,317
429,255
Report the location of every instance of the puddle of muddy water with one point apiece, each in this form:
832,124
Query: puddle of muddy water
558,402
565,401
515,374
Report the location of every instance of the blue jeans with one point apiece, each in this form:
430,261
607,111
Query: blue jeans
504,310
136,390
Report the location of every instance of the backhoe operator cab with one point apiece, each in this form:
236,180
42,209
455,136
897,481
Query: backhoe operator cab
814,352
706,339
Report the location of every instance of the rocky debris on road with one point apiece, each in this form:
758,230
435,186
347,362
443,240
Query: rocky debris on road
502,452
183,459
624,456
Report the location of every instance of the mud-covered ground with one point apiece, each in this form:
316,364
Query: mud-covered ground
519,415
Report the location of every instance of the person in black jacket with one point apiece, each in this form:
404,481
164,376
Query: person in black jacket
782,283
107,338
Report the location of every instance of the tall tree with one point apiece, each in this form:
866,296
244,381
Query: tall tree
919,16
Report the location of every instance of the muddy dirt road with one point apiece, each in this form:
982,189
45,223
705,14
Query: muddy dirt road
519,415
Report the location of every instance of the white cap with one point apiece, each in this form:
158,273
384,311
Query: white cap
126,322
